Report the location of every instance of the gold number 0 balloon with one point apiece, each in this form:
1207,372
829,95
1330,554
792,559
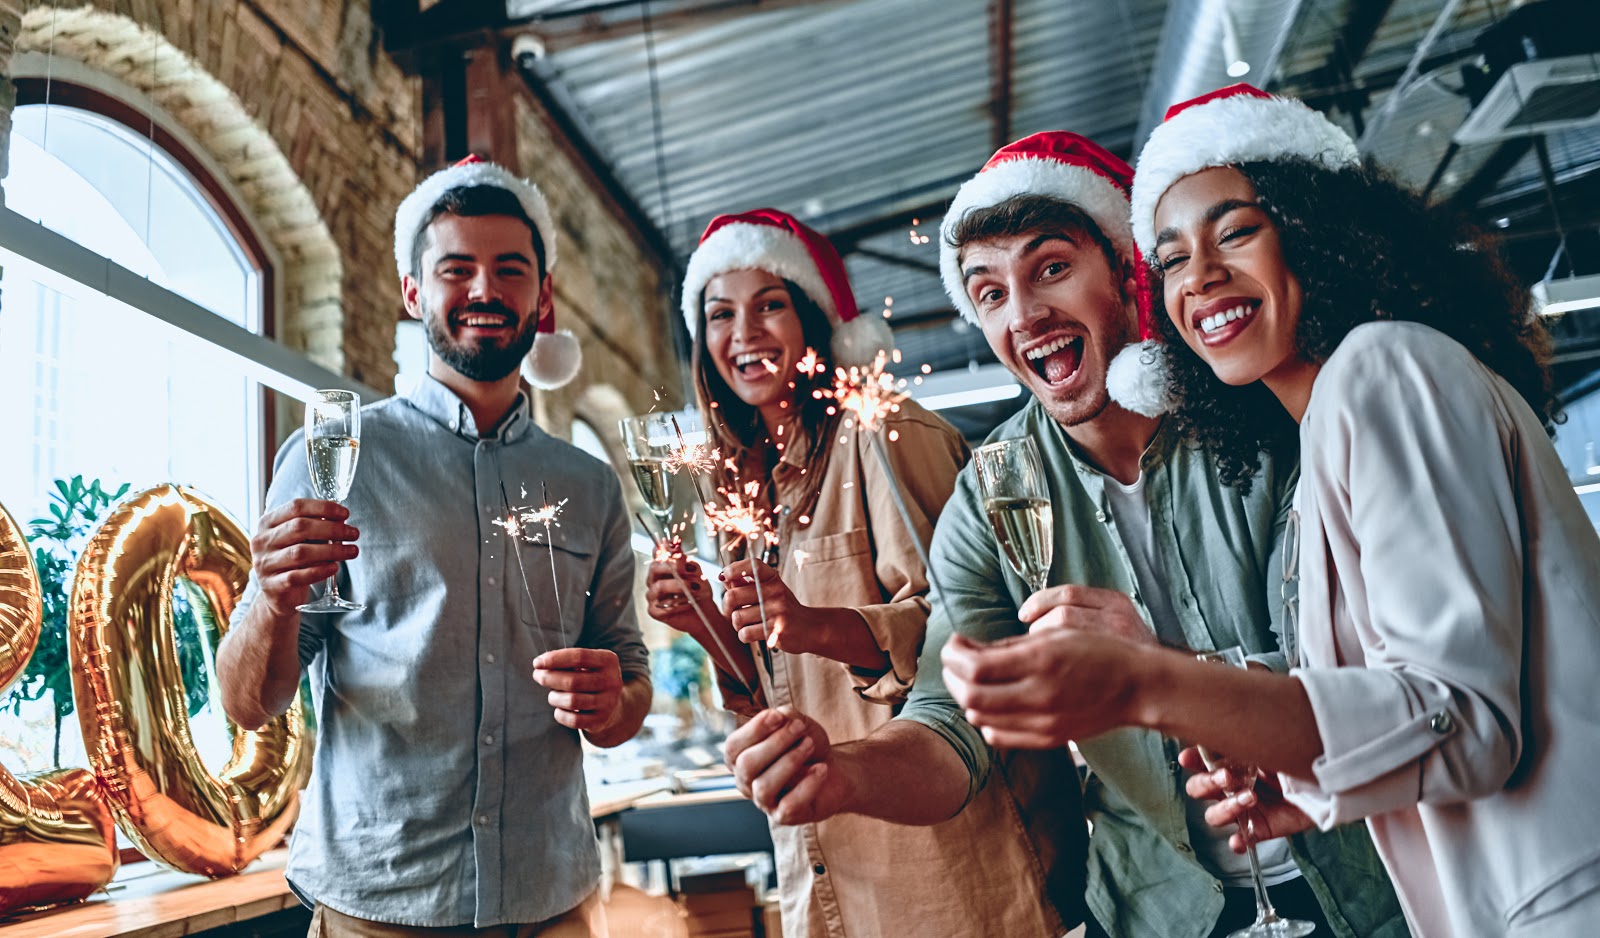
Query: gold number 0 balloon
130,694
57,842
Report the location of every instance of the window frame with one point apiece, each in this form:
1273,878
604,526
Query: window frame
33,91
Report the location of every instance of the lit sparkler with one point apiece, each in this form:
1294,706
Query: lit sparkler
872,394
743,518
513,525
869,392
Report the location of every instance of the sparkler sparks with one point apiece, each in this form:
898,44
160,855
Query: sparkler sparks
741,516
869,392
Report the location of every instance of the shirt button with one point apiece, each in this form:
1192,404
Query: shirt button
1099,516
1216,887
489,740
819,869
491,581
1185,848
483,819
489,657
1442,723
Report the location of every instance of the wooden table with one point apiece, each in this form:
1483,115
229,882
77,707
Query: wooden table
146,901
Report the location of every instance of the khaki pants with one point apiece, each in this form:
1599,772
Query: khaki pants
588,920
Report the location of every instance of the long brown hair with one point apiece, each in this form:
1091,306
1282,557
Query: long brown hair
736,428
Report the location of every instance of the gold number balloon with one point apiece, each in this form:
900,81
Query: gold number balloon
130,693
57,840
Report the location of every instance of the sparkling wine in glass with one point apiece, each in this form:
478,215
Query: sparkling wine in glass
1268,923
1017,501
649,438
333,442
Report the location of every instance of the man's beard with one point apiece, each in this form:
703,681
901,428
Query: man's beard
484,360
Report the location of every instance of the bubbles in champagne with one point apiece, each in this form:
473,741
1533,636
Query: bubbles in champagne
333,465
1024,527
655,484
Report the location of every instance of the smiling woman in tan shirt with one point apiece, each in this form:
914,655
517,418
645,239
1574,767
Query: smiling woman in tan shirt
844,594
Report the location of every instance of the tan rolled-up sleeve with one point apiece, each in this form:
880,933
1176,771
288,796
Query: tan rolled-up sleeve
926,454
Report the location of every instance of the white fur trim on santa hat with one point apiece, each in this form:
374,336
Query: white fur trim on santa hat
745,246
408,217
1229,131
1137,378
554,360
858,341
1096,195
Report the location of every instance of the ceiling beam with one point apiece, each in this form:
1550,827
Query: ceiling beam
848,238
884,257
1350,47
1000,42
454,20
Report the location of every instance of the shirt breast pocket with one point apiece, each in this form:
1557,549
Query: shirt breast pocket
836,570
566,560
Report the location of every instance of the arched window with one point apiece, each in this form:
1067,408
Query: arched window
89,388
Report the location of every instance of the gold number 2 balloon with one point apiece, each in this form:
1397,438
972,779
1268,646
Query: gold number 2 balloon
130,693
57,841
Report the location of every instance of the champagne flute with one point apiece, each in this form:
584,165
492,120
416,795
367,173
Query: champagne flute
648,439
1268,924
1017,500
333,441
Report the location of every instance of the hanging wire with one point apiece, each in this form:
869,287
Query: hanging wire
150,143
49,66
655,114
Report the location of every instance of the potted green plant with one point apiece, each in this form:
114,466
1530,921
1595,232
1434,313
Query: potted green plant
76,508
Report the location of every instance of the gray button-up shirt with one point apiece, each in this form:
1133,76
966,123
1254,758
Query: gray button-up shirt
444,792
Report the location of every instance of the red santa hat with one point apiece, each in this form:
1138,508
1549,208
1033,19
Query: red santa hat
1055,163
780,244
556,356
1229,126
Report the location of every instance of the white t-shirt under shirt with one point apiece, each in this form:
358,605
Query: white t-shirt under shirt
1131,512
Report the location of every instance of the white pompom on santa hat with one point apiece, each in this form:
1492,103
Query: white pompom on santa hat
1073,169
780,244
556,356
1226,127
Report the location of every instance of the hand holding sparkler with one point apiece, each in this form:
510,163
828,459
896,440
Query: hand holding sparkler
585,686
839,633
744,519
675,587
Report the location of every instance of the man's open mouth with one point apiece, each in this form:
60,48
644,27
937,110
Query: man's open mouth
1058,360
484,321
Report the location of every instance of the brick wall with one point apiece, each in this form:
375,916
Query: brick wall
320,132
610,287
313,123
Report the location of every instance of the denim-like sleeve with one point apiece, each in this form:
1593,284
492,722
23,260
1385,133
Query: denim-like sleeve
972,595
611,621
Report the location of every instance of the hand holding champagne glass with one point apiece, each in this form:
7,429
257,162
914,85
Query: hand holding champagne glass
1017,500
1267,924
333,441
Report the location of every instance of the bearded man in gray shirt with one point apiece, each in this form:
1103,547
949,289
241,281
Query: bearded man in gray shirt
448,788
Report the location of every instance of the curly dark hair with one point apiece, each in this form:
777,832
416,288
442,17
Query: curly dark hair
1363,248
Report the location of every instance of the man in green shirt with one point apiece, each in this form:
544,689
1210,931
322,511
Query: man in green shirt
1036,250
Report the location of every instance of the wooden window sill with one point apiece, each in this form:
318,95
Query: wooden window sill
146,901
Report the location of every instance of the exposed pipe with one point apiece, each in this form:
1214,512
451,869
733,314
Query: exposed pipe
1190,59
